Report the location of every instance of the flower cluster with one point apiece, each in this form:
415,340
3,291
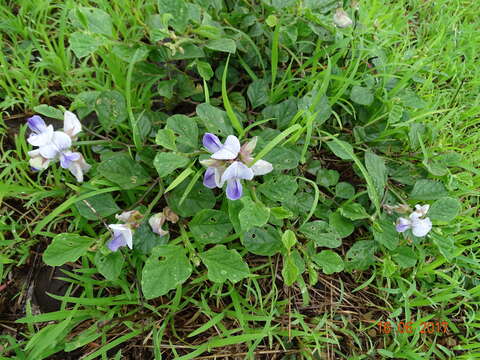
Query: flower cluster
122,234
230,163
55,145
417,222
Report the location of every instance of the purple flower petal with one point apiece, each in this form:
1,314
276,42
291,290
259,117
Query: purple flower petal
211,142
403,225
67,157
116,242
234,189
209,178
36,124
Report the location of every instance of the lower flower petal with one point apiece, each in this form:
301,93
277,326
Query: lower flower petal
261,167
116,242
209,178
234,189
67,158
421,227
403,225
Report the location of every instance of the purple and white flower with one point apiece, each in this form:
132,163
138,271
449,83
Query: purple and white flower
122,236
55,145
417,222
230,163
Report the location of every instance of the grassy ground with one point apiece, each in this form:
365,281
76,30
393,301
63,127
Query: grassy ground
425,53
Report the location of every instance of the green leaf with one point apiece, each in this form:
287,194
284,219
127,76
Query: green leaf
111,109
66,248
83,44
344,190
144,239
445,209
290,270
198,199
179,11
279,187
343,226
405,257
95,20
129,53
320,232
283,158
122,170
204,69
341,149
361,255
223,45
361,95
428,190
224,264
281,213
262,241
49,111
289,239
214,119
378,171
329,261
165,88
164,270
283,112
166,163
103,204
110,266
354,211
166,138
253,214
186,130
327,178
210,226
446,246
258,92
385,233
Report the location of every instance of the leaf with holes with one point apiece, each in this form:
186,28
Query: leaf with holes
320,232
361,255
215,120
103,204
210,226
264,241
120,169
165,269
111,109
283,158
224,264
253,214
186,132
279,187
66,248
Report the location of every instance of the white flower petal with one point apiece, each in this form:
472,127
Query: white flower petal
71,124
421,227
43,138
124,231
229,150
261,167
422,210
237,170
